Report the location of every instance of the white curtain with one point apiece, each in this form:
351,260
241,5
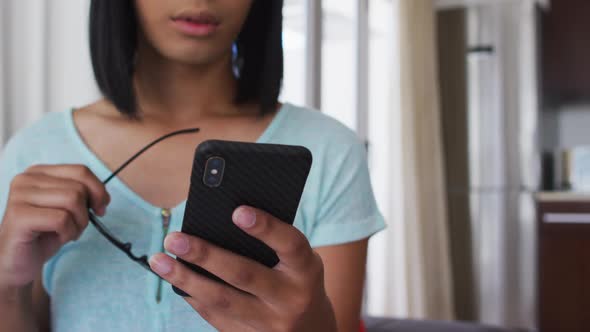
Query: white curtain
409,264
44,60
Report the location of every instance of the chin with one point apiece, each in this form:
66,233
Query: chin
194,55
194,59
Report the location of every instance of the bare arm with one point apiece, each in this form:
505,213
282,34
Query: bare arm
47,207
25,309
41,306
16,306
344,267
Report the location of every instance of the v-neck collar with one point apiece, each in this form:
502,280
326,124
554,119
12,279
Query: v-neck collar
103,171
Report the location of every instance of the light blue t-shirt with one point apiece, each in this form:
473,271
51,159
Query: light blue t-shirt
95,287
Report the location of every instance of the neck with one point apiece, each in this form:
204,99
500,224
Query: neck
180,91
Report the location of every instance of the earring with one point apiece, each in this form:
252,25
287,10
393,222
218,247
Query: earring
237,60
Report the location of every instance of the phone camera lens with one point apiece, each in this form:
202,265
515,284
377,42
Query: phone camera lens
214,170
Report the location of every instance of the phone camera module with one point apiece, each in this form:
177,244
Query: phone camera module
214,170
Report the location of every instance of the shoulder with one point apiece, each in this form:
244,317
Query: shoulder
43,129
51,137
33,142
309,127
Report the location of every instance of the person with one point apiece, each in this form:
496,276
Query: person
164,66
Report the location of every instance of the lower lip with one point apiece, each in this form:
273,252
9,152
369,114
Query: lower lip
194,29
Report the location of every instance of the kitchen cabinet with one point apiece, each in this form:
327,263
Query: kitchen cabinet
565,50
564,263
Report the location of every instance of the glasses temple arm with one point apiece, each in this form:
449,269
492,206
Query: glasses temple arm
135,156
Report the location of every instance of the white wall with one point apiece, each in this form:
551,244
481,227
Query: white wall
573,126
565,127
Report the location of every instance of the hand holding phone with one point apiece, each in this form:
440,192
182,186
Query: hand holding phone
289,297
227,175
237,227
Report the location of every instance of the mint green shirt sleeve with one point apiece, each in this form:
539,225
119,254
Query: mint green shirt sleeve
347,210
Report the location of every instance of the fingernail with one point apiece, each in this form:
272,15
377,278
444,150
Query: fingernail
101,211
245,217
177,244
160,266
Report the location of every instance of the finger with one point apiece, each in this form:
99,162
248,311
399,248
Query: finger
74,201
211,295
47,220
99,197
287,241
238,271
74,193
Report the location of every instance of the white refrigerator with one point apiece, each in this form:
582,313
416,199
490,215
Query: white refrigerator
502,161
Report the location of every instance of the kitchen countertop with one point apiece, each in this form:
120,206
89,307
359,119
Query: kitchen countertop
562,196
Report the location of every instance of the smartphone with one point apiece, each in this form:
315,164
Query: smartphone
227,175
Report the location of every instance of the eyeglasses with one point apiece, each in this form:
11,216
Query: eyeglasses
102,229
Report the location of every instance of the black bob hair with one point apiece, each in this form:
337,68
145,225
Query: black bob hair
113,43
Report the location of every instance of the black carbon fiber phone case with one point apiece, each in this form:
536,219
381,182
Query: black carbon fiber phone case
265,176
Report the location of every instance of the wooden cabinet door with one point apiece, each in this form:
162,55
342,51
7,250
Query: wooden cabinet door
564,267
565,49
